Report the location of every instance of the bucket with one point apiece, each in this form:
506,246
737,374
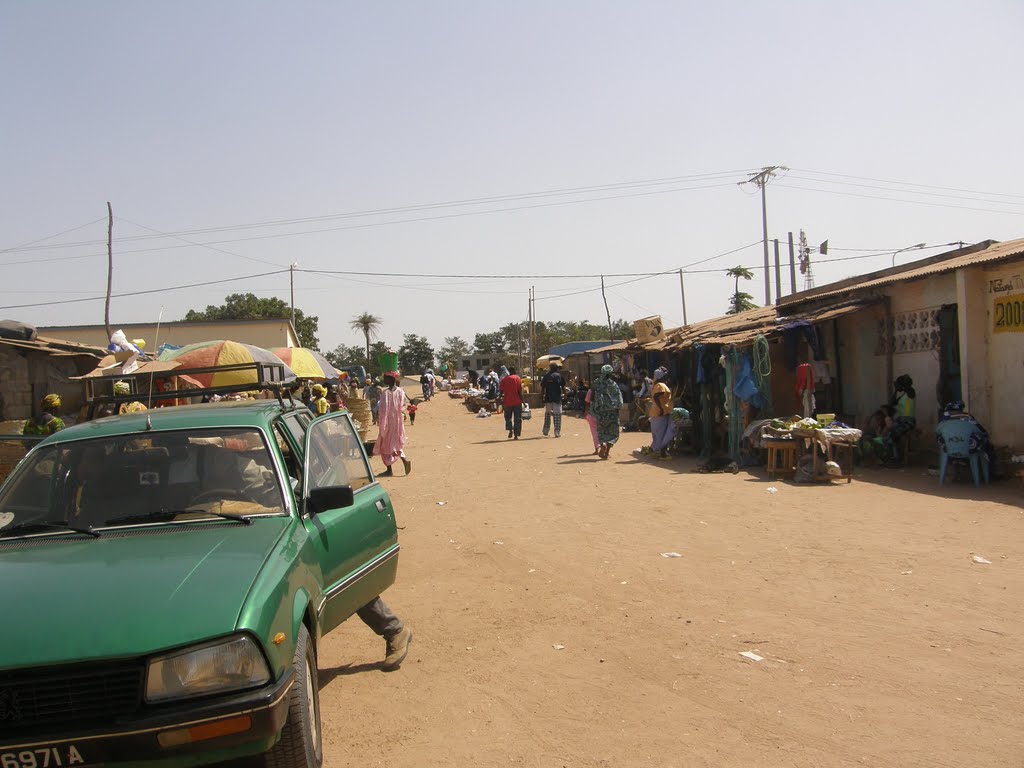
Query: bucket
388,361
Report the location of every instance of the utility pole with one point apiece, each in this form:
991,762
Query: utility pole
533,311
291,278
110,267
778,273
611,335
792,266
760,179
682,295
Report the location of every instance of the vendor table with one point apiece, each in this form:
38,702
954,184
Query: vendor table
781,457
838,445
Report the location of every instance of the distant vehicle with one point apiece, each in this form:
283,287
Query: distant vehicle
176,571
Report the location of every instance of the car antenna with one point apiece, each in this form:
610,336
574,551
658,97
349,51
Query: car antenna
152,373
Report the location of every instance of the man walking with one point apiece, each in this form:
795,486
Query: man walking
551,385
512,403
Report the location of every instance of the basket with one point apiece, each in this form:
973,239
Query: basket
388,361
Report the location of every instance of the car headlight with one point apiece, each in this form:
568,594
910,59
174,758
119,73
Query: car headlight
227,665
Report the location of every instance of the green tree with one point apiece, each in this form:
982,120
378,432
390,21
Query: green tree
369,325
415,354
740,301
344,355
248,306
454,350
493,343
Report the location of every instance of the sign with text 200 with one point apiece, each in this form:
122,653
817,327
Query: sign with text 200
1008,314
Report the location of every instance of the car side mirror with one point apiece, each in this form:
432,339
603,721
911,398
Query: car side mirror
330,497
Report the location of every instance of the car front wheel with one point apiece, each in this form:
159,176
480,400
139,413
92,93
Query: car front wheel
301,745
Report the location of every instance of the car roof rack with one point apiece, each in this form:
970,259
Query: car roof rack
269,376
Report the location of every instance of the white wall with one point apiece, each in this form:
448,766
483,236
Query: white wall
1004,353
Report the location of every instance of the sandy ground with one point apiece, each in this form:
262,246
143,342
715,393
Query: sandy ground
550,630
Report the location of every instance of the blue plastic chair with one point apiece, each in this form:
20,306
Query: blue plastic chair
956,437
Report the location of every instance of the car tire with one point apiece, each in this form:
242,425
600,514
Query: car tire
301,743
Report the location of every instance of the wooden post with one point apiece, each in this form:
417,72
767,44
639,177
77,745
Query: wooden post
611,334
110,267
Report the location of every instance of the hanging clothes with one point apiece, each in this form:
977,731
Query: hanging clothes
791,335
805,388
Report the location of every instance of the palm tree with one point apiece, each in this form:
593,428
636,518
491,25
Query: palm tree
740,302
369,325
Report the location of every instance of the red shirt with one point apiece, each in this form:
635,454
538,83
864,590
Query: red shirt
511,390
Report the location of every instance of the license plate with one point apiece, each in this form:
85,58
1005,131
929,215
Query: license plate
43,757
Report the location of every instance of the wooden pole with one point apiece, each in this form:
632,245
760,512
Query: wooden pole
792,266
778,273
682,295
110,267
611,334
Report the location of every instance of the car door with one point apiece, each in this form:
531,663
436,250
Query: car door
357,546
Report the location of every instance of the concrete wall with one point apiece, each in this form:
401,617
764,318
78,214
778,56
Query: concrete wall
263,333
25,379
994,362
922,366
863,370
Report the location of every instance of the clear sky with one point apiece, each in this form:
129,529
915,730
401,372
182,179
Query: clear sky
194,114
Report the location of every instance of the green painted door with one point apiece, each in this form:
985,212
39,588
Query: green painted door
357,546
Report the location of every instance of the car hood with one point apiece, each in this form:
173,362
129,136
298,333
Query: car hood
127,593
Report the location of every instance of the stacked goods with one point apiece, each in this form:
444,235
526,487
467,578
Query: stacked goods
388,361
359,407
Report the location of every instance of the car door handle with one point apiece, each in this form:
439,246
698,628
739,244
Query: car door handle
381,506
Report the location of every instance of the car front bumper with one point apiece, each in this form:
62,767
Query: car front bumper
185,733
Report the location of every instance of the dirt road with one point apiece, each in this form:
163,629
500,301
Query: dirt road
551,631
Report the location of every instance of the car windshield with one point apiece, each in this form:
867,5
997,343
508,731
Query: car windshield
157,477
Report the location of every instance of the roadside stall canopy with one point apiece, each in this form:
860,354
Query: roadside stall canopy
545,360
307,363
238,361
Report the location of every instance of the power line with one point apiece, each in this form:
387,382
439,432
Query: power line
151,290
908,191
426,206
907,183
203,245
900,200
25,246
520,275
420,219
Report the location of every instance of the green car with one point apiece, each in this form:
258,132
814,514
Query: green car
167,577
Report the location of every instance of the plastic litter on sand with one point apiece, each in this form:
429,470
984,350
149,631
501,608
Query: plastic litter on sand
980,559
670,554
772,489
558,647
441,503
751,655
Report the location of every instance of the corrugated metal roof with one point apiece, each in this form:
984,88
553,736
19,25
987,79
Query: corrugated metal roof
618,346
743,327
946,262
55,346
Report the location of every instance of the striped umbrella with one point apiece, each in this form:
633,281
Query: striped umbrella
306,363
213,354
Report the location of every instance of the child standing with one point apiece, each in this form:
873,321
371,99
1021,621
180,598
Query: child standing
412,413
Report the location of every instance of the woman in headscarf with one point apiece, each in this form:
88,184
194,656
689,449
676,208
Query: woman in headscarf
663,429
391,418
605,406
904,400
47,422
